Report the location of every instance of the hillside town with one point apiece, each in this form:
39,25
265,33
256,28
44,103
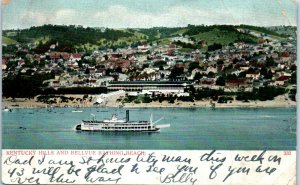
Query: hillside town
163,70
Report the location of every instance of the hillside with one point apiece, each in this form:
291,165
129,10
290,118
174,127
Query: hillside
134,39
285,31
80,38
221,34
8,41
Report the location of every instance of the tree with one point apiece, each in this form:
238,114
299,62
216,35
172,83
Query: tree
231,77
211,74
270,62
176,72
214,47
11,64
191,89
108,71
220,81
235,60
292,94
146,99
293,80
193,65
220,62
87,71
145,66
198,76
269,75
264,71
230,66
80,63
293,68
242,74
251,70
119,69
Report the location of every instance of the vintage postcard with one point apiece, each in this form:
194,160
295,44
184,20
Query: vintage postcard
149,92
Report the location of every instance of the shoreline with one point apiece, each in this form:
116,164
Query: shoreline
19,103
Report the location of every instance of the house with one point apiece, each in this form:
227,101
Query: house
55,56
52,46
99,72
66,56
92,70
123,77
172,46
244,68
21,62
164,73
285,54
171,63
240,54
112,64
207,82
104,80
37,58
179,65
115,56
211,69
236,83
91,82
4,61
75,57
236,71
55,83
282,80
196,70
258,83
149,70
181,39
24,70
143,48
72,64
193,73
254,75
79,83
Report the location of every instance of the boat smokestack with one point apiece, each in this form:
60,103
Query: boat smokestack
127,115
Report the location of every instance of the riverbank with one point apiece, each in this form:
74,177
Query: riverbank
80,101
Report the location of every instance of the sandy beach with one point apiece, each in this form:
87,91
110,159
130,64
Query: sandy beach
79,101
279,101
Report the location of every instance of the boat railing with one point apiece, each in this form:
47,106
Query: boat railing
143,121
119,122
94,121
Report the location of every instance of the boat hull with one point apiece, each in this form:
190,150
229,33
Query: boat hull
79,128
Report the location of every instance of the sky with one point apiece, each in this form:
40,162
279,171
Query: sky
20,14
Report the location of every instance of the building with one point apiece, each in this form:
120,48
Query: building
148,85
282,80
236,83
253,75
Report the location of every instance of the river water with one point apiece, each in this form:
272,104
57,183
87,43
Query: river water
191,129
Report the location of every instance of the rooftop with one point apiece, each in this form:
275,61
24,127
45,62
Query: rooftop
152,82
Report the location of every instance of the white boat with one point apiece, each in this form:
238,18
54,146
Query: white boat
6,109
77,111
119,125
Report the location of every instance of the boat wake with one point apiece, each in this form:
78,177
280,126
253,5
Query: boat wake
33,131
266,116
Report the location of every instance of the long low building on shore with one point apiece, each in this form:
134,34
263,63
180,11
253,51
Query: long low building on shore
148,85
